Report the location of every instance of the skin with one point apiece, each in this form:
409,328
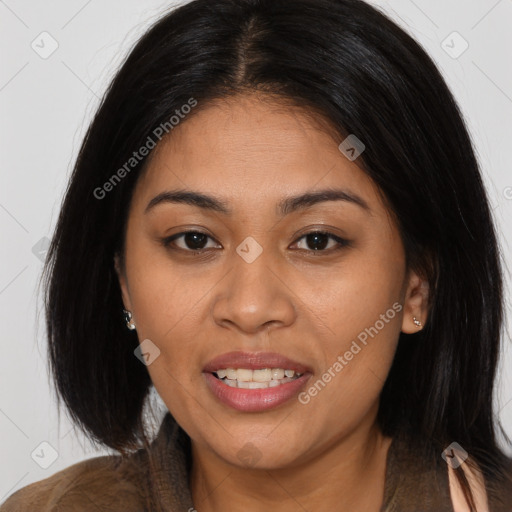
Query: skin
328,454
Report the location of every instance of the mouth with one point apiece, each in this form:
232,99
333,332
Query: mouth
253,382
264,378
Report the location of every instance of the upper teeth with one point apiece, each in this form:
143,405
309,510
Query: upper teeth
263,375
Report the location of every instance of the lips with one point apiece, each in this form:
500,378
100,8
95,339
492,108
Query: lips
254,361
255,400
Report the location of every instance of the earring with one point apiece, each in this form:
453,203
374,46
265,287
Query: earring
128,320
416,322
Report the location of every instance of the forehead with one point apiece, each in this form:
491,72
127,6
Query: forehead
247,147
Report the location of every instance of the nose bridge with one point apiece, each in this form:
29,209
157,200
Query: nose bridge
253,295
251,268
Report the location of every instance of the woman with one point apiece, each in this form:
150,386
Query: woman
277,220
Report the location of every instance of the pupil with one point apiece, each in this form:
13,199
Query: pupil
314,237
195,240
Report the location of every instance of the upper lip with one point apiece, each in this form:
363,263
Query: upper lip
254,361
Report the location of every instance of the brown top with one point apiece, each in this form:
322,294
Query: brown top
112,484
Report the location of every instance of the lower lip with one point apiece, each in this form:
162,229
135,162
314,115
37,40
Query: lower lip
255,400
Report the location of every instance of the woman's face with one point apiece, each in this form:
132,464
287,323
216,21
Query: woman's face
257,284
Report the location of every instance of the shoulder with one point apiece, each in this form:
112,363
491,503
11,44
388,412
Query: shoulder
489,495
105,483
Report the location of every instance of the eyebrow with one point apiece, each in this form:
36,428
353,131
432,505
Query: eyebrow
285,206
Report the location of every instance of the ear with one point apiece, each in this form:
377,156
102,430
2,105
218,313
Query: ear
416,302
121,275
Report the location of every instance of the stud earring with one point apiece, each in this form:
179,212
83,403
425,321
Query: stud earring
416,322
128,320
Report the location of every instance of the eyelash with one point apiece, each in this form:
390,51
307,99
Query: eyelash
342,243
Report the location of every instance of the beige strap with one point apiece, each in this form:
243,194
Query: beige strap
477,484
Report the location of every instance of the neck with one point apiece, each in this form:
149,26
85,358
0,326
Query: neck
348,474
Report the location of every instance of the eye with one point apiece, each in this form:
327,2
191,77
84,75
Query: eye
195,241
320,239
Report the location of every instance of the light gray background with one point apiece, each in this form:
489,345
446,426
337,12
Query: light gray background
45,105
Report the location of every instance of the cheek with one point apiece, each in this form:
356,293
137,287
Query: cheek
362,307
348,387
360,290
164,296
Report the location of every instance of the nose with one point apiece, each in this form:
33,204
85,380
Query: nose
254,296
